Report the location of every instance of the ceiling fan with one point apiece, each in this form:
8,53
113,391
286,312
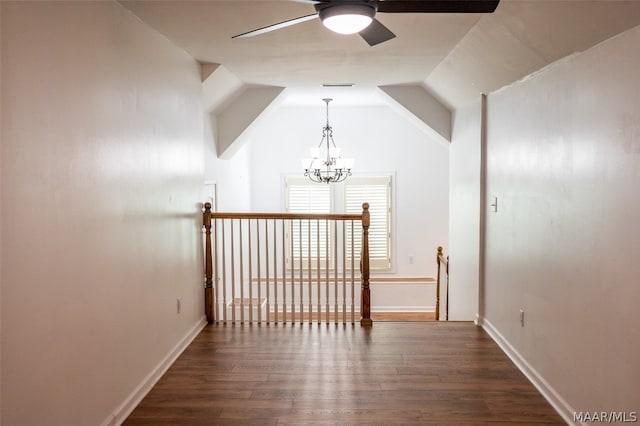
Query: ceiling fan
358,16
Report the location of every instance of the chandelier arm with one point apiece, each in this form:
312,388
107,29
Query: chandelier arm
325,135
332,141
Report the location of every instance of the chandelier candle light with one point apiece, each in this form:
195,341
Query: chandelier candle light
327,167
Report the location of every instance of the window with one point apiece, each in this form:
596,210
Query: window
377,192
304,196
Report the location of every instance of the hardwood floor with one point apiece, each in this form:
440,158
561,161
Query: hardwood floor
395,373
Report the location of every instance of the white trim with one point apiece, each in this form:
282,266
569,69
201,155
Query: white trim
121,413
557,402
479,321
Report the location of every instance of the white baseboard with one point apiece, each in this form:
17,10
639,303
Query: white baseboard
557,402
121,413
479,321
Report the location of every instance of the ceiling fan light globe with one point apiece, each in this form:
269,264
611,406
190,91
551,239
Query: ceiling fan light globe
347,18
347,24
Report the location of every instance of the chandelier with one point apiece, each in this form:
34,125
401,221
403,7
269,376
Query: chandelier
327,166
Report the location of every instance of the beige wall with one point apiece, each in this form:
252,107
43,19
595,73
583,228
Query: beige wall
564,162
464,216
102,170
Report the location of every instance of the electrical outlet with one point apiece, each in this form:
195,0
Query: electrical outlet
178,304
522,317
410,259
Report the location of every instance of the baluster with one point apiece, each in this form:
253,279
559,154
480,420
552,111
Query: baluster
309,268
344,272
224,272
233,272
301,273
216,240
318,272
241,271
326,269
258,267
292,259
275,271
250,261
284,273
293,273
353,271
335,272
266,266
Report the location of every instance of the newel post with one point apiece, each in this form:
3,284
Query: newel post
365,305
208,271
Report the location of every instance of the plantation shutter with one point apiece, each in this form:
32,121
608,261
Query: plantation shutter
377,192
304,196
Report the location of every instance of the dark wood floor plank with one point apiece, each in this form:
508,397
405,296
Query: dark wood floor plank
395,373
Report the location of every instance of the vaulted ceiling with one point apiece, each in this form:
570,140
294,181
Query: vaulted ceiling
455,57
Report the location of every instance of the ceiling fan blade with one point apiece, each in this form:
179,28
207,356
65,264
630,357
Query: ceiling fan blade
437,6
376,33
277,26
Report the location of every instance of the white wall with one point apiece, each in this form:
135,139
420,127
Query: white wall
231,176
464,205
380,141
102,170
564,162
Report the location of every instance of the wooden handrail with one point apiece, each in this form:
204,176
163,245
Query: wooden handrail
285,216
209,218
442,260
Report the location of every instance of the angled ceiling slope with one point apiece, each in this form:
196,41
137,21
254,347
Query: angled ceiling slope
421,105
522,37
